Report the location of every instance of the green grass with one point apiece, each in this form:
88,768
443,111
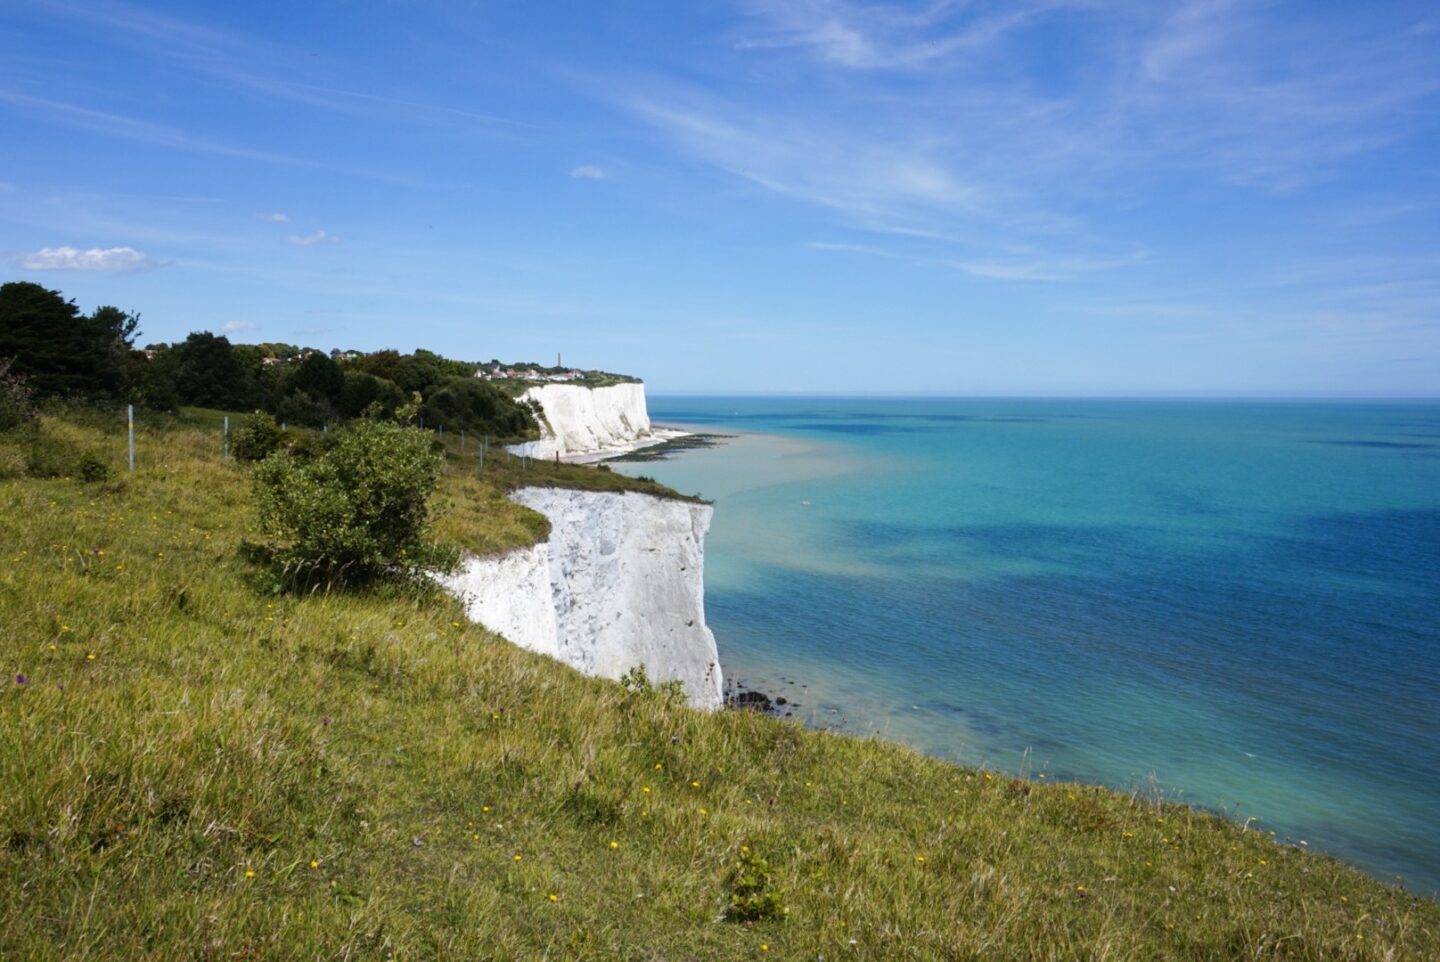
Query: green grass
590,379
195,770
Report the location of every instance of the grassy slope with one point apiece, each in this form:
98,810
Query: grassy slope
194,770
590,379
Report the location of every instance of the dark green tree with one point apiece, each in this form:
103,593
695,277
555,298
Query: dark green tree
59,350
150,378
421,371
318,376
477,406
297,407
361,390
210,374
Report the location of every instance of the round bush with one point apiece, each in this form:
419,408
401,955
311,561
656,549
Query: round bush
355,510
256,437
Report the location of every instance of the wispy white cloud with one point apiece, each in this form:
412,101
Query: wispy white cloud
260,65
1257,94
275,217
1271,100
311,239
831,166
112,259
1037,269
588,172
235,327
1048,269
904,177
845,248
143,131
1193,31
887,36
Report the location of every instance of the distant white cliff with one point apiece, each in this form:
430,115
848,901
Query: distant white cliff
585,423
619,583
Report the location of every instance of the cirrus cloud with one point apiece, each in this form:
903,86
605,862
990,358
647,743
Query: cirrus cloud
310,240
66,258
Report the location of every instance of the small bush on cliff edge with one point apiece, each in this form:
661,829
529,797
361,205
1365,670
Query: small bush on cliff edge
355,511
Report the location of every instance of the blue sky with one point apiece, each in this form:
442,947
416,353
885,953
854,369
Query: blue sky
1023,197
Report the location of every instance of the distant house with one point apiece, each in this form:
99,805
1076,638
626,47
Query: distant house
495,372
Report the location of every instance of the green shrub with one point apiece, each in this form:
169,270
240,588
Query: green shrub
355,511
637,681
752,894
16,398
307,445
91,468
12,460
48,456
256,437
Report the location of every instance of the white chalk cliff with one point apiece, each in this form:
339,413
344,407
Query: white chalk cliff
619,583
588,421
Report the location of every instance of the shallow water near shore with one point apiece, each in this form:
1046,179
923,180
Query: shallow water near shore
1239,601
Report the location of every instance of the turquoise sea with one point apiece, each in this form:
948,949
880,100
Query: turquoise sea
1235,602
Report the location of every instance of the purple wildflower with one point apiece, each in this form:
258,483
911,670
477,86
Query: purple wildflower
22,679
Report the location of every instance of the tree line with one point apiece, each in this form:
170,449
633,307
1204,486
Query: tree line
61,352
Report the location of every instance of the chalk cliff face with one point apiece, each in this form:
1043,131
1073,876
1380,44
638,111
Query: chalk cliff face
586,420
620,583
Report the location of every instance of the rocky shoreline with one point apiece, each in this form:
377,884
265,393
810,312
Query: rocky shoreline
676,442
742,697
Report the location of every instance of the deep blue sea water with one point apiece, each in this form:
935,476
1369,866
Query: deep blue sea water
1237,602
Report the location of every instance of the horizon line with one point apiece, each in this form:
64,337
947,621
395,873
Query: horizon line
938,396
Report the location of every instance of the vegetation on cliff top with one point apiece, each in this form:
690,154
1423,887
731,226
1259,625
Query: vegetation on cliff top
62,352
194,768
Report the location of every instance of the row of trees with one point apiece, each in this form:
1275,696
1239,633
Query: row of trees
60,351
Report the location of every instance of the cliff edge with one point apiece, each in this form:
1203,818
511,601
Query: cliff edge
585,423
619,583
